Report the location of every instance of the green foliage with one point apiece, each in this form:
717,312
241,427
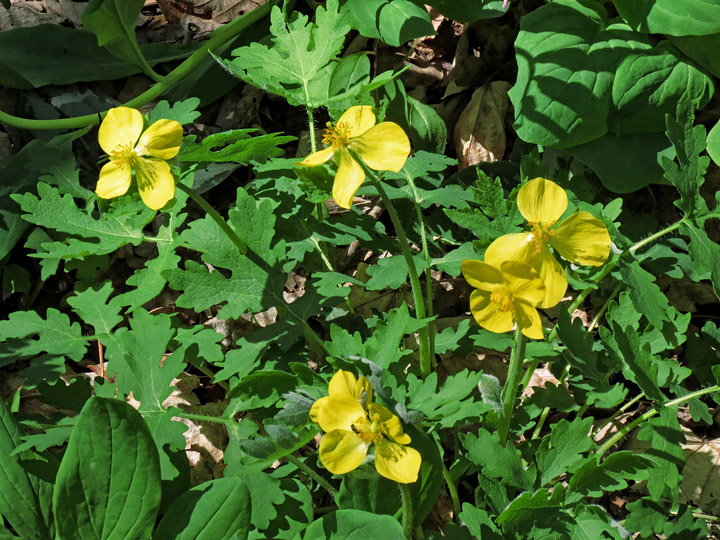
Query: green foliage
681,18
393,22
222,317
352,525
113,22
50,54
23,496
219,509
623,89
298,64
110,439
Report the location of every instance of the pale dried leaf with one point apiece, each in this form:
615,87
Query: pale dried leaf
701,476
204,16
480,131
27,14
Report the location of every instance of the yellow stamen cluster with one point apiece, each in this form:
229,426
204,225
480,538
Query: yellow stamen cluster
337,136
369,431
501,299
540,236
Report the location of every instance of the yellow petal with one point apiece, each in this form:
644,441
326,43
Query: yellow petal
357,120
155,182
114,179
552,275
582,239
487,315
343,383
528,320
384,147
338,411
348,180
542,201
120,130
317,158
511,247
398,463
161,140
481,275
523,282
391,423
342,451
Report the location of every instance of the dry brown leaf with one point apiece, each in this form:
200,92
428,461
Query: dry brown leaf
701,475
26,14
480,131
205,15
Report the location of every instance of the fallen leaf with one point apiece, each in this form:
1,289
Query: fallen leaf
480,131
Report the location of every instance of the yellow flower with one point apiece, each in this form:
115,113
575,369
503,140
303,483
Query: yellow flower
352,422
506,296
581,238
121,136
382,147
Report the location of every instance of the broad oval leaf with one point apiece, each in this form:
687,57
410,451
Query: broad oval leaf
650,84
567,54
672,17
20,499
353,525
215,510
108,485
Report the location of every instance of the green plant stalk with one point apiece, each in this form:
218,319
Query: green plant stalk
217,218
407,511
205,418
452,490
220,37
597,279
423,334
509,392
546,411
313,474
235,239
649,414
621,410
428,272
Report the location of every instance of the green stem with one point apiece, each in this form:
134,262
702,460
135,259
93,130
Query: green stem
619,412
204,418
566,371
327,486
231,234
597,279
202,366
235,239
423,334
311,127
428,261
219,37
509,392
649,414
407,511
452,490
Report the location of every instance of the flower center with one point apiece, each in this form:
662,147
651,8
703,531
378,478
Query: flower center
539,235
370,430
337,136
501,299
128,153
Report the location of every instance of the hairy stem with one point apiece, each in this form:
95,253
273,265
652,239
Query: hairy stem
423,334
313,474
407,511
509,392
649,414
